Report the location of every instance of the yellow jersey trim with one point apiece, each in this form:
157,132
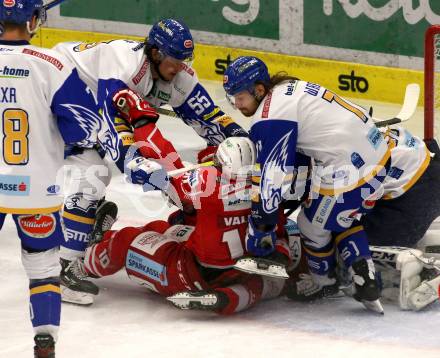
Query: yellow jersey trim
348,233
319,254
78,218
21,211
415,177
365,179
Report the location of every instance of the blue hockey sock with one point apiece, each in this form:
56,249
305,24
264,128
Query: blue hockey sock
352,245
45,305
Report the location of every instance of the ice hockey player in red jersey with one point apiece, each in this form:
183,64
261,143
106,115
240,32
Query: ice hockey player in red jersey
189,259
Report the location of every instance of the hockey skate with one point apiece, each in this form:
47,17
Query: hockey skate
309,287
199,300
366,289
74,286
273,265
105,218
44,346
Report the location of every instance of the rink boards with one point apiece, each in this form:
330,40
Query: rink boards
377,83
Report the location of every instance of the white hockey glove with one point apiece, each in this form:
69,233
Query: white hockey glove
147,173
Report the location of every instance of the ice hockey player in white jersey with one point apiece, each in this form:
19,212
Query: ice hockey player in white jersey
42,96
126,77
350,158
406,253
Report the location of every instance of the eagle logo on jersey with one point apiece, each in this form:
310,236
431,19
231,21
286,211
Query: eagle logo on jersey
273,175
211,133
78,202
109,139
88,121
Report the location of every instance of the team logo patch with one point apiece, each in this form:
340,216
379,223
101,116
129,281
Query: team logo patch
266,105
323,211
85,46
13,185
375,137
395,173
8,3
146,268
53,189
345,218
357,160
143,70
43,56
37,226
188,44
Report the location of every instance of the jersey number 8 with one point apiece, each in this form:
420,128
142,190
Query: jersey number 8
15,141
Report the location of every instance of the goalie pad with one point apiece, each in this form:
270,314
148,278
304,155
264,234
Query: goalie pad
413,294
423,295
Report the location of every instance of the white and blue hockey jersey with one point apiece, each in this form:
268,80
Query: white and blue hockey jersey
346,147
44,105
107,67
409,159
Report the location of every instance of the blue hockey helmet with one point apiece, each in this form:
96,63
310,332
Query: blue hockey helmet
21,11
242,74
173,39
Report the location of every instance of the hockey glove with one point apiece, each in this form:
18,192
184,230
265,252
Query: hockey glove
133,108
147,173
260,243
207,154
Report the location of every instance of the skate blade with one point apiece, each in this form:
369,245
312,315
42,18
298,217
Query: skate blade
187,301
253,266
75,297
374,306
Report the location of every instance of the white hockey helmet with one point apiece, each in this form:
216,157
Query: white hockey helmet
236,156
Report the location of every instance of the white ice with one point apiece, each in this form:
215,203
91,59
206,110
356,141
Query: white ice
127,321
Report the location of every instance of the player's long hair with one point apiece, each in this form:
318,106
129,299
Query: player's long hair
277,79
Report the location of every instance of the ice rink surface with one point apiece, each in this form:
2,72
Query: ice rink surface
127,321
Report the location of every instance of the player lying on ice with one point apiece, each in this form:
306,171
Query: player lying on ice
190,257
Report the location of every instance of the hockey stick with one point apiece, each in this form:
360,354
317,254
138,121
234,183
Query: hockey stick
167,112
176,172
52,4
409,106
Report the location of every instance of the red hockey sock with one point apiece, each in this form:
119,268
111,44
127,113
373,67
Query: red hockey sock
242,296
108,256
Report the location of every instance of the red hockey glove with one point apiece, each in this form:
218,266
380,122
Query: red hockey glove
207,154
134,108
